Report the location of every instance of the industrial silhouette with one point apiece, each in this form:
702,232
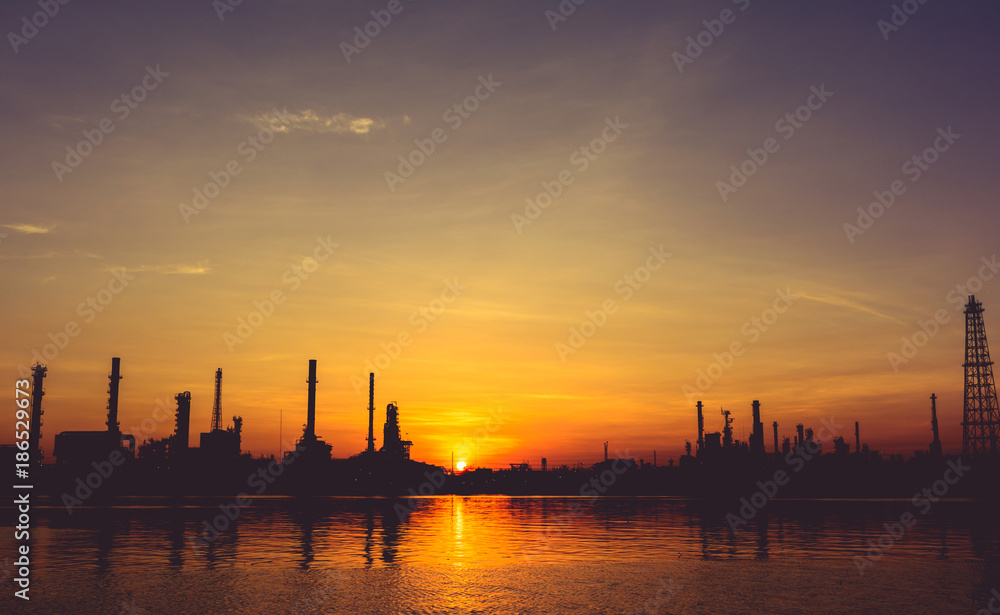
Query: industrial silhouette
718,466
981,434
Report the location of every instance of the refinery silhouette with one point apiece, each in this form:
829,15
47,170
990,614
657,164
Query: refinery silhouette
93,466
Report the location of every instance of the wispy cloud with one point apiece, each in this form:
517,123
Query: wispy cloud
28,229
49,254
847,303
308,120
181,269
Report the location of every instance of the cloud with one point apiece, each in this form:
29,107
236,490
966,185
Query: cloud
847,303
28,229
308,120
49,254
197,269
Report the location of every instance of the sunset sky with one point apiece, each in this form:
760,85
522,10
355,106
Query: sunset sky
446,252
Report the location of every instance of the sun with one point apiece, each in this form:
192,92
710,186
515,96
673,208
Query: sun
460,466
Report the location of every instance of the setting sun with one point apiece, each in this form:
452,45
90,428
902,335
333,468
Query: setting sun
460,466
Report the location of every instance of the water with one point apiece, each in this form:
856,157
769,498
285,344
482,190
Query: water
506,555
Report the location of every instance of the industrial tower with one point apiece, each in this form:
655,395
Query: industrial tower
981,421
936,443
35,433
757,436
182,417
393,446
217,405
371,413
219,443
113,378
313,449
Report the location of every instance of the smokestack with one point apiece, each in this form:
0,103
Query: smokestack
217,404
311,413
936,444
857,437
115,376
183,420
371,413
776,449
701,427
802,437
757,436
605,451
35,433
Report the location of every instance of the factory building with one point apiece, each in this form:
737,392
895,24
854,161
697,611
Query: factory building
219,443
83,447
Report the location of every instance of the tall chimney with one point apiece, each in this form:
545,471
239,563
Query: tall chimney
115,376
802,437
371,412
35,433
183,420
776,449
217,404
857,437
701,427
311,415
936,444
757,436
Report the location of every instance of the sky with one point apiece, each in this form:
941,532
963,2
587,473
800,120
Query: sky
544,226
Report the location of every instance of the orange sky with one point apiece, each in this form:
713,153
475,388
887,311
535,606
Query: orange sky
514,290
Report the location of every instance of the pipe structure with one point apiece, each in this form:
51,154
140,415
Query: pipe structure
183,420
857,437
776,449
311,408
936,444
757,436
371,412
701,427
35,433
113,378
217,404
